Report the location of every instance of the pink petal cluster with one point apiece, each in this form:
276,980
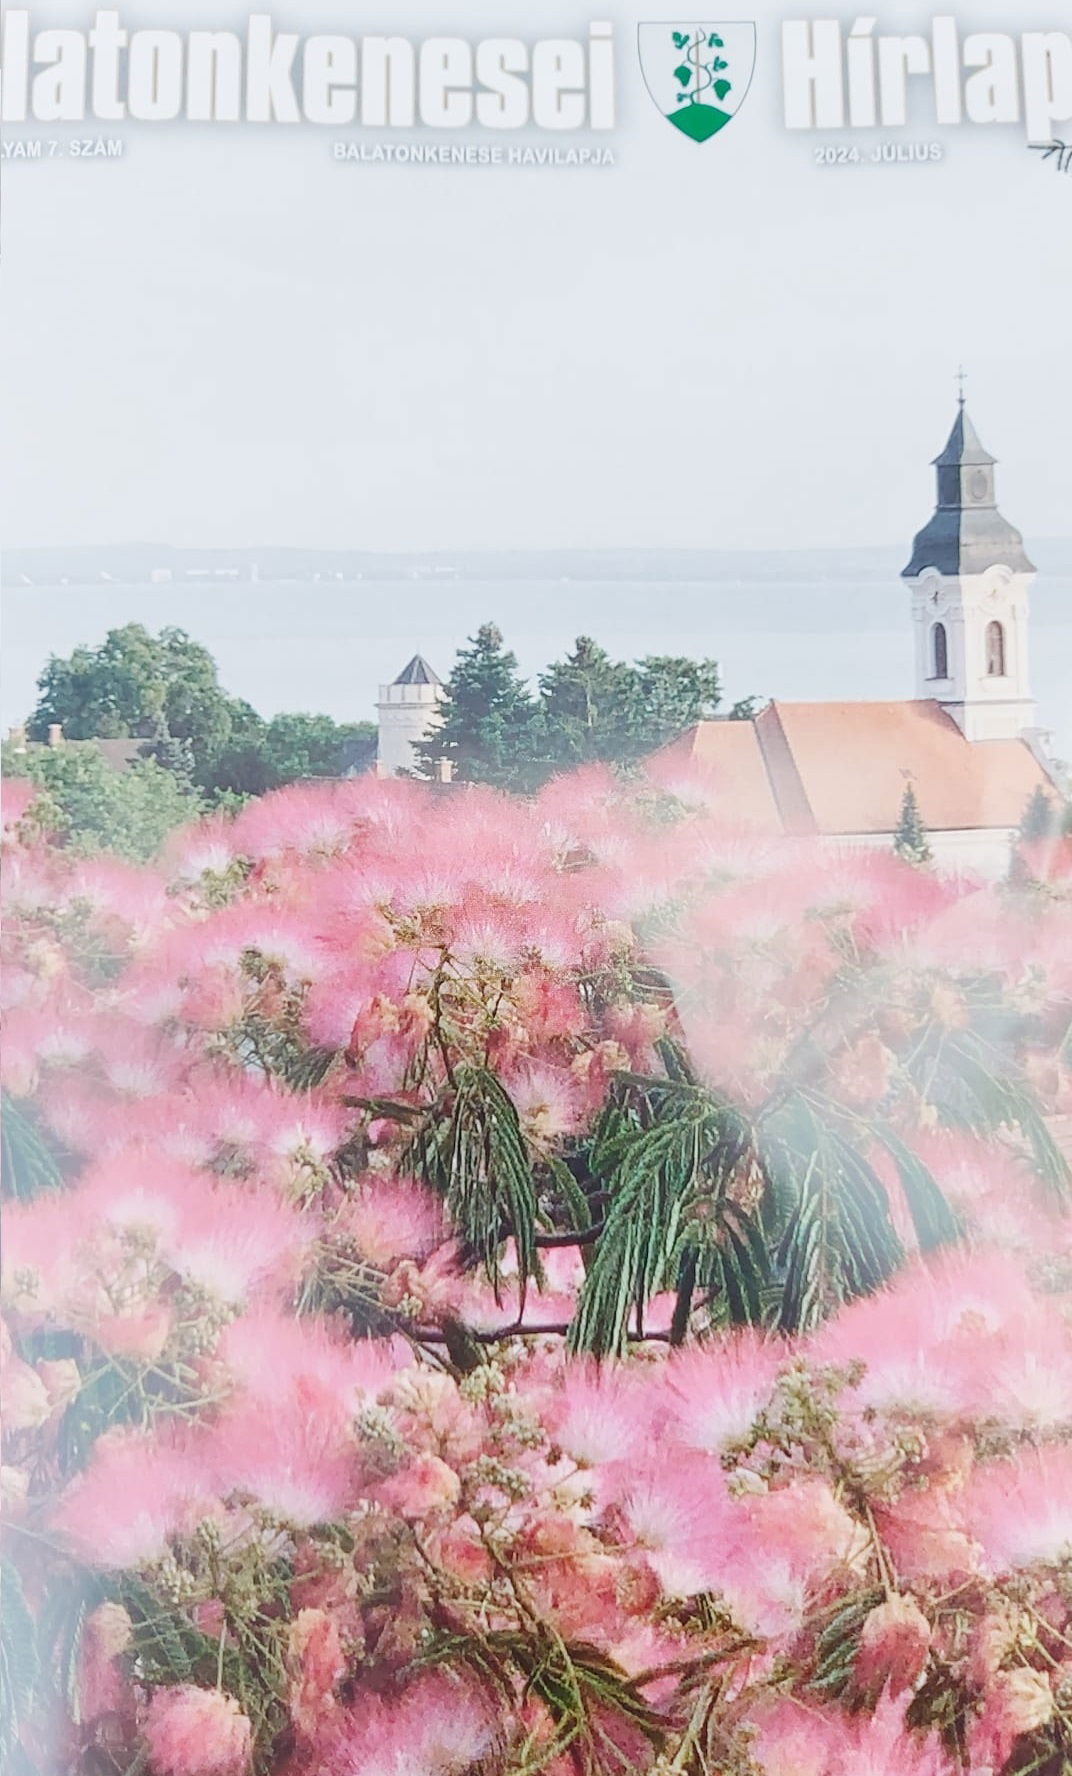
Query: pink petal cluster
327,1435
194,1732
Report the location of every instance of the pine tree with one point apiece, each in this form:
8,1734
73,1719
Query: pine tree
1044,822
910,839
1041,820
490,731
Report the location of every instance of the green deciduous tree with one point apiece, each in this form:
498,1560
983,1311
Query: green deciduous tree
588,704
596,708
674,694
301,746
93,807
135,683
165,689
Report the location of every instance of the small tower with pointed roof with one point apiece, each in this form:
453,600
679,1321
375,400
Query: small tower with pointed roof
970,579
408,710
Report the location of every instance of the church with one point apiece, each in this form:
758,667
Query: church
966,744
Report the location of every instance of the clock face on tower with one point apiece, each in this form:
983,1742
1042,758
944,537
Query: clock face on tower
979,486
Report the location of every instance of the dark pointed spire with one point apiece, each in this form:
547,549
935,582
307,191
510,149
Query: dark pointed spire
418,672
964,449
967,534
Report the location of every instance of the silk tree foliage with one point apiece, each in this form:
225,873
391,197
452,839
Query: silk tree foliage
442,1323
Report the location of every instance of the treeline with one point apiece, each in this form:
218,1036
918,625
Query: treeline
587,708
193,747
165,691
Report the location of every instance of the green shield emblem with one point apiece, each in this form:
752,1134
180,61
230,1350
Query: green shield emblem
698,75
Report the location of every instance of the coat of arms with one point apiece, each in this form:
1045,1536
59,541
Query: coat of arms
698,75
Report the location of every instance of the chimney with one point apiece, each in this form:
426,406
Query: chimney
17,738
55,733
444,770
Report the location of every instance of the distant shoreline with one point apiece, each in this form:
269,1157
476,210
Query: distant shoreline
147,564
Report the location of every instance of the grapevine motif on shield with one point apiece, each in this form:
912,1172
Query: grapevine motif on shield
700,118
698,74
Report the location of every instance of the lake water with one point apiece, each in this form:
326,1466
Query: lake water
843,632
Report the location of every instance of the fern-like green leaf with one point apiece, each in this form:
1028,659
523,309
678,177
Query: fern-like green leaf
480,1164
975,1086
839,1242
19,1663
932,1217
668,1154
28,1165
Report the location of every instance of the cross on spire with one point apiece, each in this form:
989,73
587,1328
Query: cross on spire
961,379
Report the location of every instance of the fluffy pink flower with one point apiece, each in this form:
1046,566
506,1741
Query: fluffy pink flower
550,1102
41,1241
297,1462
393,1218
792,1740
303,817
193,1732
678,1513
234,1242
1021,1511
136,1494
270,1355
440,1725
600,1414
717,1391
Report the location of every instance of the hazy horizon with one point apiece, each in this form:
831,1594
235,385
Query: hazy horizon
799,626
229,334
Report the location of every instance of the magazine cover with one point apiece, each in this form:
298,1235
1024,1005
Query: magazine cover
537,1065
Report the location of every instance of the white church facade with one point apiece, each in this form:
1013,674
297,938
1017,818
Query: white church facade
970,580
966,743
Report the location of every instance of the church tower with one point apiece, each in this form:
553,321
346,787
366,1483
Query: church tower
408,710
970,579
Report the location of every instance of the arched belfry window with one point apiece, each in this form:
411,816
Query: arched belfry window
939,652
995,650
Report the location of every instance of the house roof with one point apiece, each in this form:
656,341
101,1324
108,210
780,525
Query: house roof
418,672
842,769
120,754
730,753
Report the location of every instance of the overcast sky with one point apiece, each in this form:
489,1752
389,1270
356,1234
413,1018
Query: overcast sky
227,338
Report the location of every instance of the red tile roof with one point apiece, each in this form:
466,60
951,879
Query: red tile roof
842,768
729,754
